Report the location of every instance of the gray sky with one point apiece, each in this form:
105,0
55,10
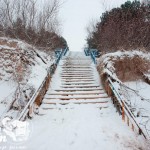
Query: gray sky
76,14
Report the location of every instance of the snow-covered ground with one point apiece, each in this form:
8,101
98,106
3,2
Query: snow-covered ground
139,100
81,127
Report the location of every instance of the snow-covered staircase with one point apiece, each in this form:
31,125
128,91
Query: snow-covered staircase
76,80
77,114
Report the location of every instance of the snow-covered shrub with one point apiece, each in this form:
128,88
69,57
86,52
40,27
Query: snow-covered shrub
125,66
131,68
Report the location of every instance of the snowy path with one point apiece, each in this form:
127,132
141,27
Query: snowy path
82,127
77,114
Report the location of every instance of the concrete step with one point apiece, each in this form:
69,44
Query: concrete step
76,93
74,71
79,101
82,78
78,83
76,80
77,89
69,97
45,108
77,74
77,69
77,66
80,86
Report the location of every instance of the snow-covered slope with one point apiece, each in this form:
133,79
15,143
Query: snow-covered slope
135,92
22,70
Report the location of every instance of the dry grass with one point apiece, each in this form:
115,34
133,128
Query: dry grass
129,66
11,44
130,69
15,62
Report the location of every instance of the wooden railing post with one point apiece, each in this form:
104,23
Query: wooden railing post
106,85
123,113
109,91
132,127
128,121
140,131
31,111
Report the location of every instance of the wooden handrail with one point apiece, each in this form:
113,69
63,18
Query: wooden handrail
26,109
31,101
123,105
125,108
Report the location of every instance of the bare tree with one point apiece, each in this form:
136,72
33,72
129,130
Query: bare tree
24,19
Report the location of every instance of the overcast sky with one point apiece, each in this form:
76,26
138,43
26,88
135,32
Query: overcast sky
76,14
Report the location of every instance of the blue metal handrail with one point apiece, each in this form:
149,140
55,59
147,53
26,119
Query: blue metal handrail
93,53
93,57
65,51
87,52
60,54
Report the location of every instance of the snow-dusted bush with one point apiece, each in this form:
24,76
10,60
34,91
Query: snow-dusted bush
125,65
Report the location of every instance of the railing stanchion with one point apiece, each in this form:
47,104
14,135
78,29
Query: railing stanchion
123,113
132,127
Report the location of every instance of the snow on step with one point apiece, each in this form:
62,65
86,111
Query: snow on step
75,93
77,101
75,80
77,74
78,83
79,86
80,69
58,105
78,89
77,70
78,78
76,96
45,108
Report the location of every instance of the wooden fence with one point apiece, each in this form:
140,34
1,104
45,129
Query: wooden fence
122,107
